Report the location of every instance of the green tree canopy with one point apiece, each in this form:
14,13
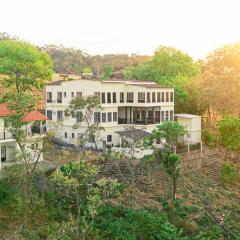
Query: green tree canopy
24,65
171,132
229,132
171,67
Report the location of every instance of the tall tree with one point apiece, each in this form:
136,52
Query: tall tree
25,66
169,66
219,82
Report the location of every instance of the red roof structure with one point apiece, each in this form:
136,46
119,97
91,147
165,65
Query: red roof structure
34,116
4,110
29,117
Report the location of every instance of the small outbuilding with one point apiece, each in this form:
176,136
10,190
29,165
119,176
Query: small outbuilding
192,123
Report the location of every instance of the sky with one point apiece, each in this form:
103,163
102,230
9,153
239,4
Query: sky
124,26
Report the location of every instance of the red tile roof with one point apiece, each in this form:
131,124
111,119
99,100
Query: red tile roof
3,110
29,117
34,116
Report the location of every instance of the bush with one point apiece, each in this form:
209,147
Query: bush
209,138
128,224
229,173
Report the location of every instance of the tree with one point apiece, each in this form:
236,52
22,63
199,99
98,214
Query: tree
25,66
171,67
229,133
19,104
171,165
82,193
107,71
170,132
86,110
219,82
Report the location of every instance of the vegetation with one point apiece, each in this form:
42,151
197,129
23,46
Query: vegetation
24,65
171,133
85,109
89,199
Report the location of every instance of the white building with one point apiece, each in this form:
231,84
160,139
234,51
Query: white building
8,145
138,103
192,123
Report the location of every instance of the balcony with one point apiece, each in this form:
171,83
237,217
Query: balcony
148,120
36,130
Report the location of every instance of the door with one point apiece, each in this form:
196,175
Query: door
3,153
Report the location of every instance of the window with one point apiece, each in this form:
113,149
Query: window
109,138
162,116
157,116
79,94
114,96
79,116
163,99
141,97
167,96
108,97
73,135
171,97
59,97
158,97
65,134
171,115
103,98
109,117
104,117
72,94
114,116
49,114
153,97
49,97
121,97
97,94
148,97
97,117
167,115
65,94
130,97
59,115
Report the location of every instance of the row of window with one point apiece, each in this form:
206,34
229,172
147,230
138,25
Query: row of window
60,96
98,117
143,97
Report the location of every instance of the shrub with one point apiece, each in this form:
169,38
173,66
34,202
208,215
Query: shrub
129,224
228,173
209,138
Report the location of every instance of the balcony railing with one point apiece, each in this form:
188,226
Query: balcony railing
148,120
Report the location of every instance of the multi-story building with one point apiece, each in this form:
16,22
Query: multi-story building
9,148
137,103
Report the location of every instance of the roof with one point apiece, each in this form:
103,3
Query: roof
3,110
53,83
29,117
186,115
34,116
136,135
139,83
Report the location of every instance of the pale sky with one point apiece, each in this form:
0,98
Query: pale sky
124,26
